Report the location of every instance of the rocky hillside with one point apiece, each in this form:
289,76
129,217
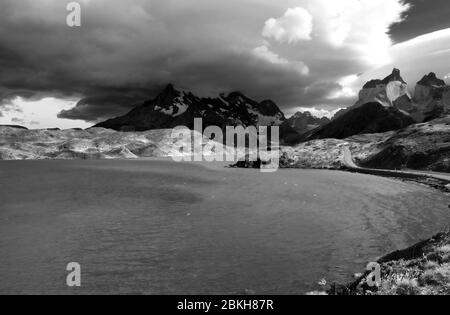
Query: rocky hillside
423,146
329,153
367,118
174,108
304,122
94,143
422,269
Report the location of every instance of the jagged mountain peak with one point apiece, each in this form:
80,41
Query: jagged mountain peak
236,97
394,76
303,122
171,90
303,114
431,80
167,94
269,108
172,108
169,87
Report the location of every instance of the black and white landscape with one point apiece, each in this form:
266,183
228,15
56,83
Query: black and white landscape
89,177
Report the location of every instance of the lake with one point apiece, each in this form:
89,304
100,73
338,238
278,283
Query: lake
159,227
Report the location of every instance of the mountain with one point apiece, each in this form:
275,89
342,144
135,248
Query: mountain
431,98
304,122
395,76
431,80
424,146
386,105
172,108
369,118
391,91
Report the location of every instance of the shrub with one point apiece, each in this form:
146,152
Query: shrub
407,287
431,277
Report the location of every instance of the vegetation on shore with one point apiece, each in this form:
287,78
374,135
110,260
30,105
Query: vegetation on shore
423,269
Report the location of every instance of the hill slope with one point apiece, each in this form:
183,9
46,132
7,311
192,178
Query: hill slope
424,146
368,118
94,143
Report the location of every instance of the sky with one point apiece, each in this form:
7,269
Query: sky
303,54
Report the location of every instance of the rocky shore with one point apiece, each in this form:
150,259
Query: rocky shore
422,269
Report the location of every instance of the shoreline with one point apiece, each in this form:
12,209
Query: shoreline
422,269
424,179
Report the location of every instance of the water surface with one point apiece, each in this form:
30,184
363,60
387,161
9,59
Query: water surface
158,227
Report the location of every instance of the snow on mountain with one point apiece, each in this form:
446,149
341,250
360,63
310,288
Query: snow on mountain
303,122
386,91
431,97
173,108
98,143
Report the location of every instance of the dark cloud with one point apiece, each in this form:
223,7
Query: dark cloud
425,16
100,107
127,50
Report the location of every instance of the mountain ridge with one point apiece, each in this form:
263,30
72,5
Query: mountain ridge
389,99
173,108
304,122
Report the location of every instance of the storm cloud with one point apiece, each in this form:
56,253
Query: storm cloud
126,51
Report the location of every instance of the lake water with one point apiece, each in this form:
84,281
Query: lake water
158,227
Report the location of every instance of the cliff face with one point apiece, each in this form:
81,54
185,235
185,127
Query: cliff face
391,91
386,91
431,98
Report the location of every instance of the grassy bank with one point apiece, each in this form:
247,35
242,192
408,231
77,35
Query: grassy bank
423,269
